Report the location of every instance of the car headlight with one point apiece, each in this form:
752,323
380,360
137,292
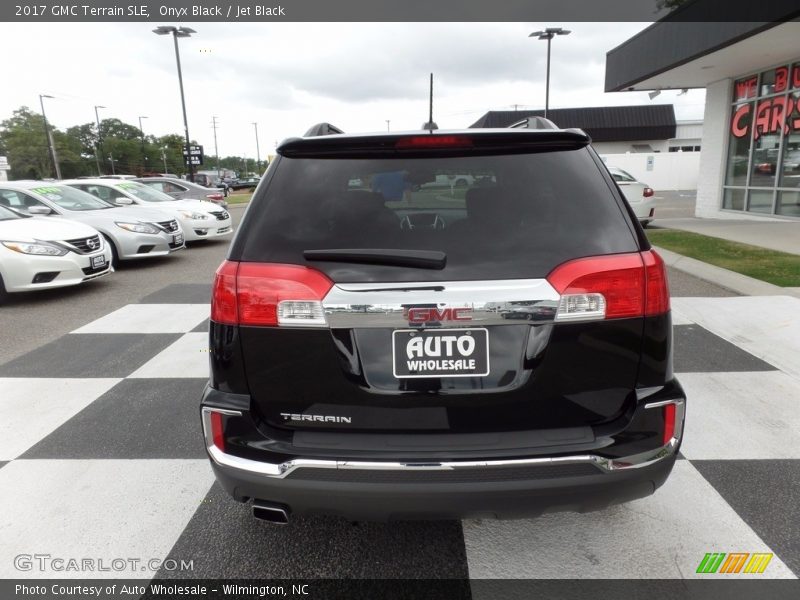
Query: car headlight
137,227
36,248
190,214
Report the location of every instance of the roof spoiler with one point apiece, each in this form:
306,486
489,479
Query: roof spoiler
322,129
533,123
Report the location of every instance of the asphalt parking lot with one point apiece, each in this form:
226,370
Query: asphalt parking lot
101,386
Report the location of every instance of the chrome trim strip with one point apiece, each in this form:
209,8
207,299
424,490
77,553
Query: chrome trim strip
282,470
492,302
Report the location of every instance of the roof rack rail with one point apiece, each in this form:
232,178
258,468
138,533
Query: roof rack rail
534,123
322,129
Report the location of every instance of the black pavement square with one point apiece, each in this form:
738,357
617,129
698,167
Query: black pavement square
180,293
697,350
314,547
89,355
766,495
202,327
137,418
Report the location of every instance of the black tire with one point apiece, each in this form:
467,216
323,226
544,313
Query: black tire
114,253
3,292
644,224
461,183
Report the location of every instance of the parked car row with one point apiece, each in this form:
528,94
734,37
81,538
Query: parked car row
63,233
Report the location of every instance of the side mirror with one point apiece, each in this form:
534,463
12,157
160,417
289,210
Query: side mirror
39,210
123,201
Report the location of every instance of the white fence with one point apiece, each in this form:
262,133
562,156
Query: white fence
660,170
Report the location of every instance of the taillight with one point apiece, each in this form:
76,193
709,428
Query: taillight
669,423
223,296
611,287
434,141
217,430
657,293
648,192
269,294
214,196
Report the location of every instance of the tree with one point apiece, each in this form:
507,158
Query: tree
24,142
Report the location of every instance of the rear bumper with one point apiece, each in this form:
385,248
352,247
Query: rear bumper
360,500
363,489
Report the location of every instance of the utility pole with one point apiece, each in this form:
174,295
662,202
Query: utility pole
258,152
141,130
99,135
216,152
51,146
164,158
388,122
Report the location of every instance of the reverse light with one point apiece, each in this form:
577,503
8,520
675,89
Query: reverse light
36,248
434,141
269,294
614,286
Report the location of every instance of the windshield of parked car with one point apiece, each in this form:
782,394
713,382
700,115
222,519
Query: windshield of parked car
143,192
69,198
6,214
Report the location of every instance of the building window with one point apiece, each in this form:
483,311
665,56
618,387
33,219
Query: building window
763,164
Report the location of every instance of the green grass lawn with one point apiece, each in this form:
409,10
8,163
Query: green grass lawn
778,268
237,198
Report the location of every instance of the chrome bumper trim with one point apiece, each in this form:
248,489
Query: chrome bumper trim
282,470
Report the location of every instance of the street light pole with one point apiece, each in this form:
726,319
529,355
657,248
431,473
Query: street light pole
164,158
141,130
111,158
548,34
49,134
176,33
99,137
258,151
388,123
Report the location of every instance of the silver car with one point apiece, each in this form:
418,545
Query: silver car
180,189
131,233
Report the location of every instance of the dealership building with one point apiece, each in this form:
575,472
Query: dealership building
750,158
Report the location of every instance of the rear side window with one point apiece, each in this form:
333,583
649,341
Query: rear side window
496,217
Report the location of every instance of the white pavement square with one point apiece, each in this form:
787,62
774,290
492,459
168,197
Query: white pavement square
187,357
149,318
766,326
99,509
741,415
663,536
33,408
678,318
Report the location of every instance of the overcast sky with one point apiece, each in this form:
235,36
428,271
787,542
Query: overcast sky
288,76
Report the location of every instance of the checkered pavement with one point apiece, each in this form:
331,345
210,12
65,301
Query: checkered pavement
101,456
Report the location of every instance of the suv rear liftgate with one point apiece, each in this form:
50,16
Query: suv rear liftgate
388,344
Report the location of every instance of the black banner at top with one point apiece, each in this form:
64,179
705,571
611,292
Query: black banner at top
396,10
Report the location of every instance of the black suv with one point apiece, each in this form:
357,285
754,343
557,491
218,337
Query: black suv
388,345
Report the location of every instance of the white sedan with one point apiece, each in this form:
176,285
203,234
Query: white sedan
40,253
639,195
200,219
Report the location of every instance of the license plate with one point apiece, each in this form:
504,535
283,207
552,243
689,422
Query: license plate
177,238
98,261
420,353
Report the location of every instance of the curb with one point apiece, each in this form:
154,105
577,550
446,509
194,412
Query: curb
736,282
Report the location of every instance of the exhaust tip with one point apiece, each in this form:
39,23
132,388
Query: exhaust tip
270,512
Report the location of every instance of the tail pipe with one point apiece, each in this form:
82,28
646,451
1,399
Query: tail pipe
271,512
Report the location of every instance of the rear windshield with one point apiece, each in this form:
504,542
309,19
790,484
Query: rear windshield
495,217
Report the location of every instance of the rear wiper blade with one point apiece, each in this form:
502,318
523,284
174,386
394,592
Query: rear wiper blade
418,259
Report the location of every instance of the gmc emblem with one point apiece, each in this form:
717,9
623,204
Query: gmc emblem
426,315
